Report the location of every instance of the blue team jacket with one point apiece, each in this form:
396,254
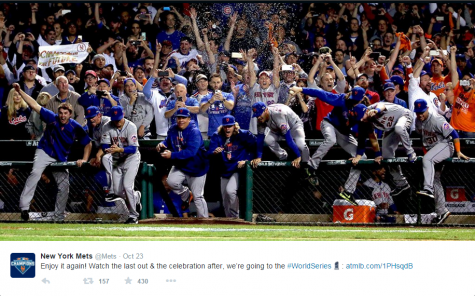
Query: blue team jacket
339,116
241,146
188,151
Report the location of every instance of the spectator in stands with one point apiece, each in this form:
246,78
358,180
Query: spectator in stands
28,83
51,88
217,104
65,95
100,97
242,110
390,95
136,108
181,100
185,53
14,118
201,82
169,28
462,99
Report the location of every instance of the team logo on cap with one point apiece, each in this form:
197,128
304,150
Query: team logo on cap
254,110
181,111
418,105
88,111
227,119
115,112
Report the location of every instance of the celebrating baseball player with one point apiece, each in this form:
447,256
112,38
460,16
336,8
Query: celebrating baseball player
439,139
95,123
121,160
54,146
184,146
395,121
235,147
336,128
282,122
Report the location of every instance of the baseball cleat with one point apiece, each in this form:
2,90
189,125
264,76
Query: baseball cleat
348,197
264,218
138,206
185,204
110,197
25,216
412,157
132,221
311,177
398,190
441,219
426,193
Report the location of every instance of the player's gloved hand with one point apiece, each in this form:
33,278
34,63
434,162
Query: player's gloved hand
218,150
460,155
296,162
255,162
355,159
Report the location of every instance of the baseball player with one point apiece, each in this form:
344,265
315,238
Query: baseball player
95,123
60,133
336,128
184,146
395,121
235,146
282,123
439,139
121,160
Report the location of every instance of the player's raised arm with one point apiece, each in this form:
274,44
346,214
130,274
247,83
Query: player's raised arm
29,100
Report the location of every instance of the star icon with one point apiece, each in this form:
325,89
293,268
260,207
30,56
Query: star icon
128,281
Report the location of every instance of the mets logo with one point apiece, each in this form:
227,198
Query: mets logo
115,112
22,265
88,111
355,92
227,119
134,138
181,111
254,110
418,105
446,126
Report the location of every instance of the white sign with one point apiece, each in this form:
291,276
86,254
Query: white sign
461,207
62,54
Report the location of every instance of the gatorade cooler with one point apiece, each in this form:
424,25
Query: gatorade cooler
345,212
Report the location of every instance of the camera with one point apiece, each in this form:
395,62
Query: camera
464,82
179,99
162,149
123,73
224,67
136,42
100,93
374,55
166,8
162,73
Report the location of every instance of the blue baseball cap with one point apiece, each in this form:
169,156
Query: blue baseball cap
398,68
423,73
182,112
420,106
91,112
396,80
388,85
129,79
117,113
104,80
358,111
357,93
228,120
258,108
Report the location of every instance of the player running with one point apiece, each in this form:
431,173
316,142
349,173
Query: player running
121,160
439,139
60,133
336,128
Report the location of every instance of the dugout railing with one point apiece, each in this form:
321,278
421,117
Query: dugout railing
86,202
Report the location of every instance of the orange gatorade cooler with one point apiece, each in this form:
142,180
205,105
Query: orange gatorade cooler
345,212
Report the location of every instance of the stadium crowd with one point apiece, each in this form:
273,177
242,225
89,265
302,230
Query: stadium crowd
212,60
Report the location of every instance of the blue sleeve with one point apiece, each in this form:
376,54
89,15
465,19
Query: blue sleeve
213,144
147,89
192,146
260,145
105,146
47,116
454,134
84,100
230,97
192,102
171,105
251,143
336,100
82,135
393,207
291,143
130,149
181,79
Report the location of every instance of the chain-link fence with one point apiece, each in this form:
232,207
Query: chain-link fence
67,193
281,193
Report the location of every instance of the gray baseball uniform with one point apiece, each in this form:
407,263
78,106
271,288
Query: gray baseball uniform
395,121
283,120
122,168
97,131
140,112
269,96
436,139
